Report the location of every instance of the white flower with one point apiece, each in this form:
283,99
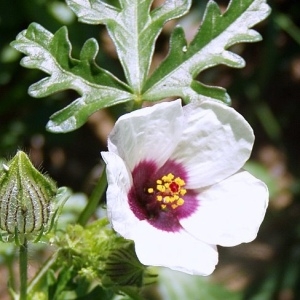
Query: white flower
176,185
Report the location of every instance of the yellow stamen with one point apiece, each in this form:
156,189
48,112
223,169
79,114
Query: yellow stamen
182,192
179,181
168,178
161,188
159,198
180,201
167,199
169,191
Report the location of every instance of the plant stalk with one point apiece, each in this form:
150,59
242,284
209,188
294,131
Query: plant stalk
34,284
23,264
93,200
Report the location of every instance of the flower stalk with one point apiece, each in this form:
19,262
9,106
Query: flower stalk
97,193
23,265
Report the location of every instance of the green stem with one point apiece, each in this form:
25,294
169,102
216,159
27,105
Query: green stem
94,200
10,262
42,272
23,269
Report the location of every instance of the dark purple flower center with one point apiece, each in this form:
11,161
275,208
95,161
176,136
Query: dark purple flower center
159,195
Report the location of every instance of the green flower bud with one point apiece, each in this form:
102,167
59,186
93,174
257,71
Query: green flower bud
123,268
27,209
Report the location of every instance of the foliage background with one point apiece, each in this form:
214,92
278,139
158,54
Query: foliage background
266,92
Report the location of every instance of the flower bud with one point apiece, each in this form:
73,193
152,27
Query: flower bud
123,268
26,207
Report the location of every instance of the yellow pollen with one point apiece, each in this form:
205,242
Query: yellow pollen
159,198
167,199
182,192
169,191
168,178
179,181
161,188
180,201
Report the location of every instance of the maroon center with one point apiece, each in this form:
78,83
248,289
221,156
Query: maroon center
145,200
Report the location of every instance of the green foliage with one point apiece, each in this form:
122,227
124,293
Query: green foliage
192,287
134,29
93,261
176,75
52,54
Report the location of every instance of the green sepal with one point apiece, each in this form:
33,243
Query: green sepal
123,267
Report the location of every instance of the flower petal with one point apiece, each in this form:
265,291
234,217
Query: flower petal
230,212
178,251
119,182
215,144
150,133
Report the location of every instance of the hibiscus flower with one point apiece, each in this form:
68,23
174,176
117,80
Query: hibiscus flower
176,186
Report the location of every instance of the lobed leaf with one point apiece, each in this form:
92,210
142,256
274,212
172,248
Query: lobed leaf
176,76
133,29
52,54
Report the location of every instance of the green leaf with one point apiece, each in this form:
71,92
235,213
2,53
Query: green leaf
176,75
52,54
133,29
177,286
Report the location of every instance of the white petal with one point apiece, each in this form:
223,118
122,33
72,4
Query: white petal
178,251
230,212
215,144
150,133
119,182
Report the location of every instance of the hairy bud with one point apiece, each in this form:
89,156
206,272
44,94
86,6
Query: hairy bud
27,201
